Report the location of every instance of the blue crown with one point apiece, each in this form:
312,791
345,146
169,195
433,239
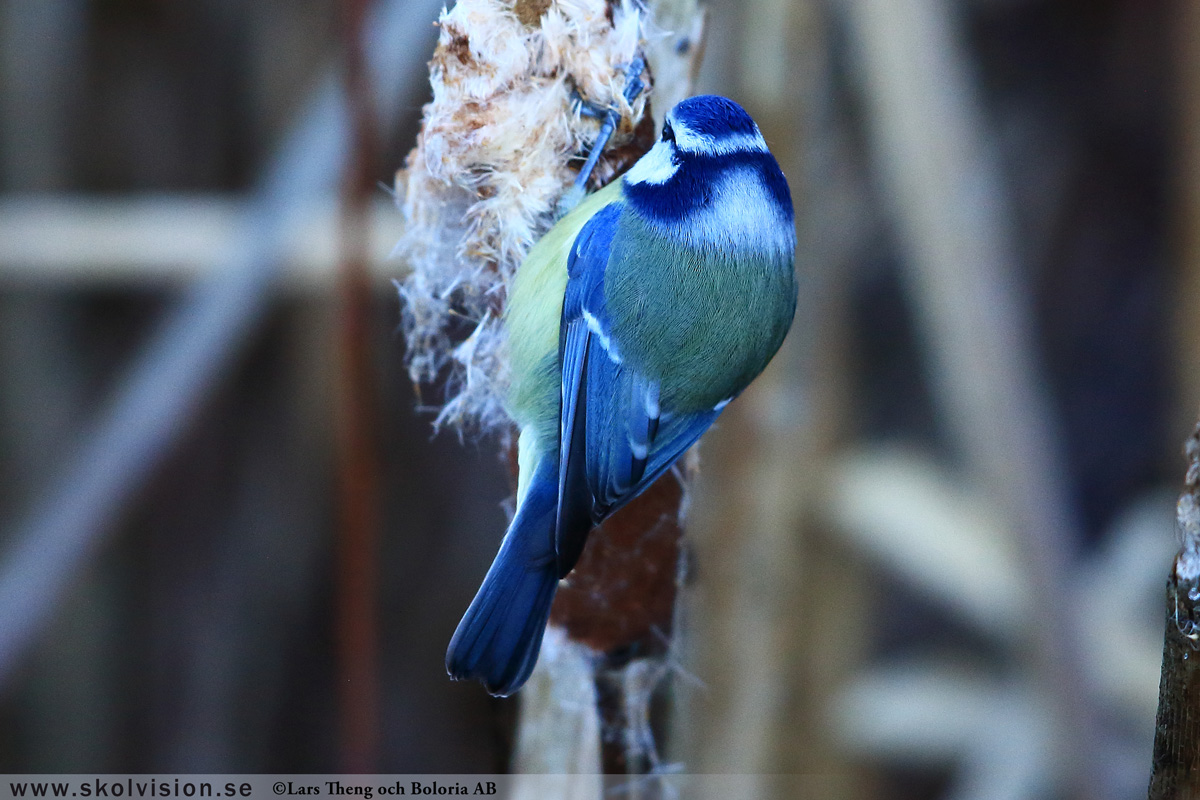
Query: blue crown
715,116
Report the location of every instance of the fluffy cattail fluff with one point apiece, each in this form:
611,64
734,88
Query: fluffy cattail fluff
499,144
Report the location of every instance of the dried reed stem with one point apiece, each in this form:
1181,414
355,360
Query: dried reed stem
494,156
1176,762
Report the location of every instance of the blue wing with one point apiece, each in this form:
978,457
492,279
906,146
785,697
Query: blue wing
617,439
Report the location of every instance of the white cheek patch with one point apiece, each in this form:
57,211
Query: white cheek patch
657,166
700,144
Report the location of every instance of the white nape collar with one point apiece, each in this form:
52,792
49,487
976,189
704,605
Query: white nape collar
658,165
702,144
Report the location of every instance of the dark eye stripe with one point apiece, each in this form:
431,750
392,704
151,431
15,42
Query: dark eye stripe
668,133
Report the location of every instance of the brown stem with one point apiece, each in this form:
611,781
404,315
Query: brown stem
358,458
1176,763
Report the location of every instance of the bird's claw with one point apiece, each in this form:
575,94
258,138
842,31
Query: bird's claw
610,116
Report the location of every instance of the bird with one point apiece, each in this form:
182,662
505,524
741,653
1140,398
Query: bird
630,325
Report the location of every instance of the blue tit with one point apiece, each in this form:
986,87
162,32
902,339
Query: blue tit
630,325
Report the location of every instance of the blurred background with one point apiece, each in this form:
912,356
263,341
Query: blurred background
929,544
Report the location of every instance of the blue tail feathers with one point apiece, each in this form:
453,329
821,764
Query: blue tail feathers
499,637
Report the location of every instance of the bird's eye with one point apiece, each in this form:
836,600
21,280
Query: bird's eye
668,133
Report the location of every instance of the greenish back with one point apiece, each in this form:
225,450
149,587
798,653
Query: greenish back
705,321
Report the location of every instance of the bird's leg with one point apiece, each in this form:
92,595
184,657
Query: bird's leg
585,108
633,87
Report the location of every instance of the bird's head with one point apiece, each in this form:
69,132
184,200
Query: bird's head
710,167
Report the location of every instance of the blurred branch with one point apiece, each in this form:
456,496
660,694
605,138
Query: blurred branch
943,537
357,419
1176,761
953,223
932,714
88,242
169,380
42,47
1187,205
767,620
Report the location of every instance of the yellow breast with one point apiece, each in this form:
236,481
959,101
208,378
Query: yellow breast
534,313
